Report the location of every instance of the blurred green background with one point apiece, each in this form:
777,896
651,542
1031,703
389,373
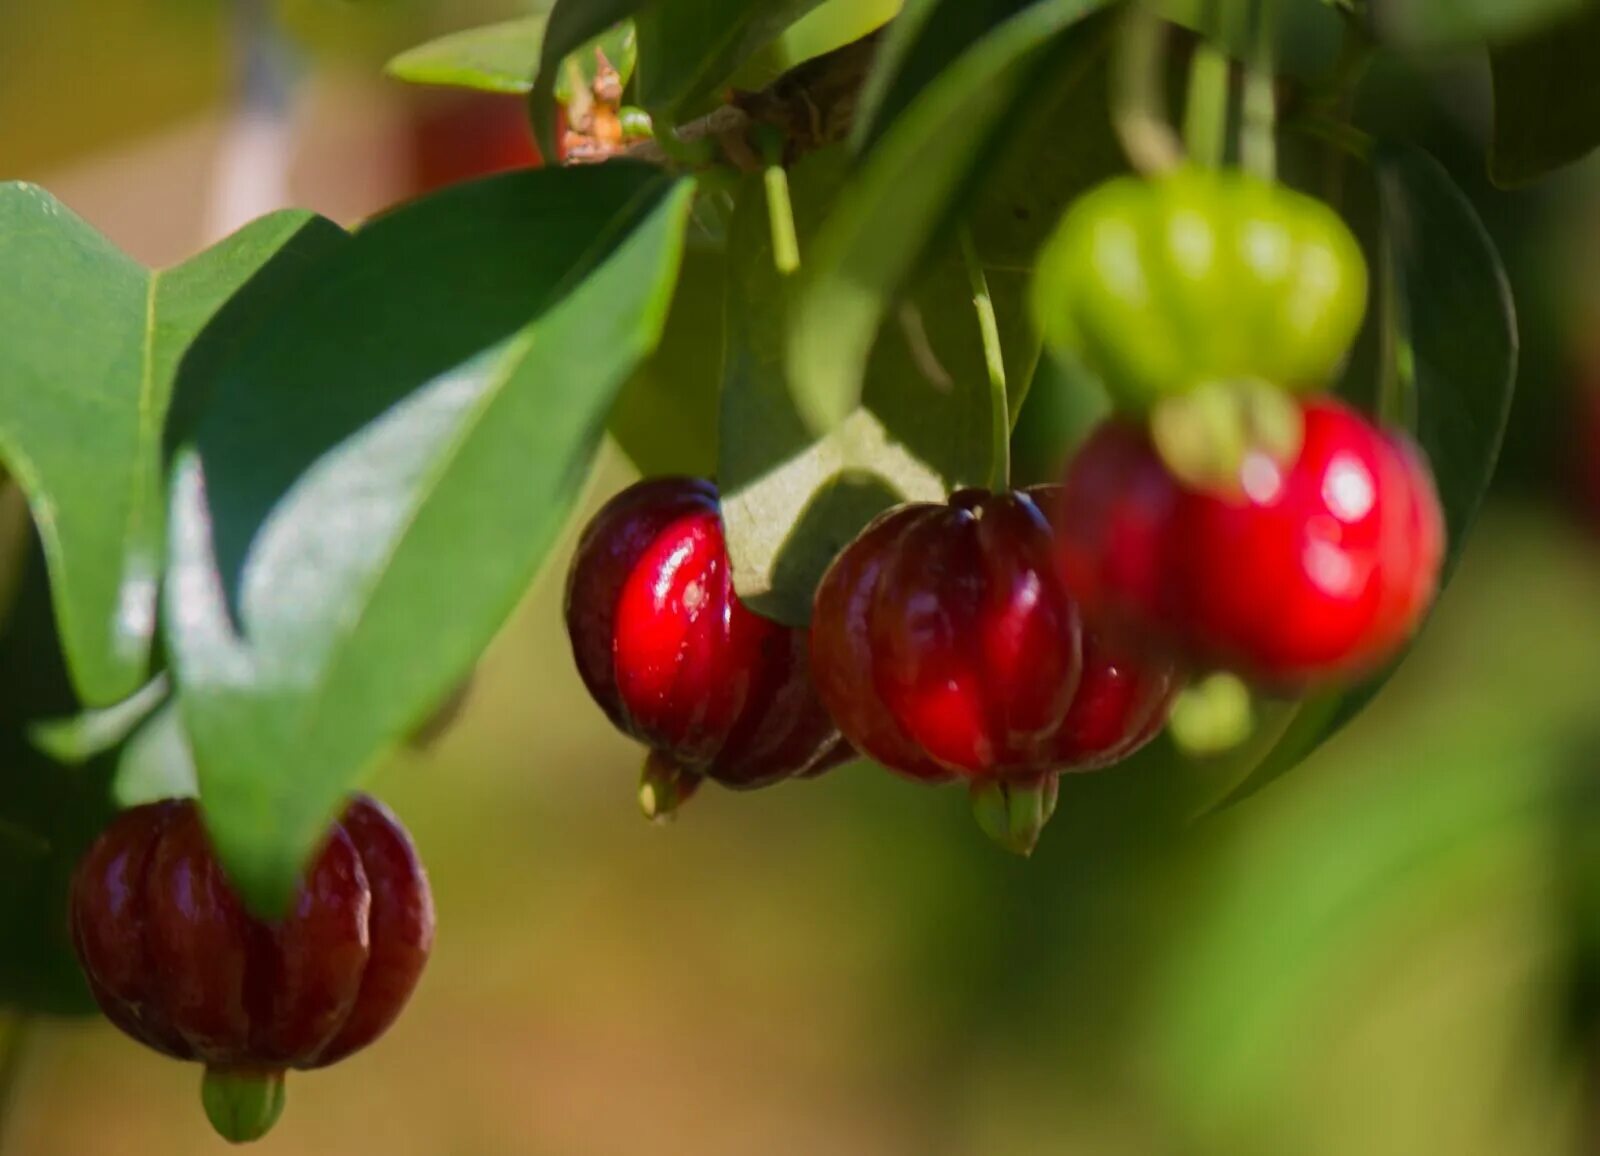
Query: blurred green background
1395,950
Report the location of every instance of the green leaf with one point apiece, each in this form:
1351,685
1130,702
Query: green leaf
1467,23
665,419
926,39
1546,108
907,188
692,47
791,501
824,29
155,762
380,472
571,25
1458,345
81,737
89,347
494,58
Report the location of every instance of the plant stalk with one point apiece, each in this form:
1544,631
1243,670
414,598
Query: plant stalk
1205,113
1138,94
1258,148
994,362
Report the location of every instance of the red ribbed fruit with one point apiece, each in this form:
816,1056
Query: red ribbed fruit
176,961
1315,572
677,661
946,647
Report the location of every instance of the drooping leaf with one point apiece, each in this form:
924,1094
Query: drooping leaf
494,58
379,472
1546,106
89,346
908,185
1458,347
791,500
693,47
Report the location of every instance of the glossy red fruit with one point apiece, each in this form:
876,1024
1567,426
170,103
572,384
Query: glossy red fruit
176,961
1313,572
675,659
946,647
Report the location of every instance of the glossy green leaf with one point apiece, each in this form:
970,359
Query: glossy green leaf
822,30
1546,105
790,500
692,47
89,347
665,419
571,25
379,474
907,187
1458,349
1467,23
495,58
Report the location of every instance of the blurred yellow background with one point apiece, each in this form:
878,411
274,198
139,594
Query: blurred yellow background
1379,956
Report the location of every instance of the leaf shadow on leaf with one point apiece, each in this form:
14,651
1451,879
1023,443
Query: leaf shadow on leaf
851,498
359,353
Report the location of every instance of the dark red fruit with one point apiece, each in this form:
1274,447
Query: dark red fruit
1317,571
946,647
175,960
676,660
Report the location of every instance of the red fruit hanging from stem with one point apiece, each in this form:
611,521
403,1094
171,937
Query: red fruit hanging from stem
1314,571
176,961
947,648
677,661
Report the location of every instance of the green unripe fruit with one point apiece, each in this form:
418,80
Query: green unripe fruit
1161,286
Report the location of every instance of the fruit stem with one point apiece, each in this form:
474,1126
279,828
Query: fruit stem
664,786
1138,96
1258,150
1014,812
1205,120
994,361
780,209
242,1103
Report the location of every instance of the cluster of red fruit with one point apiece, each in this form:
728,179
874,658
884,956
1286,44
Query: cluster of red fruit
1004,638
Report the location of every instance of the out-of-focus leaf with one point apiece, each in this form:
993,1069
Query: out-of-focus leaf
1546,104
928,37
1466,23
693,47
665,418
890,214
1457,348
156,762
379,472
83,736
89,346
824,29
495,58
